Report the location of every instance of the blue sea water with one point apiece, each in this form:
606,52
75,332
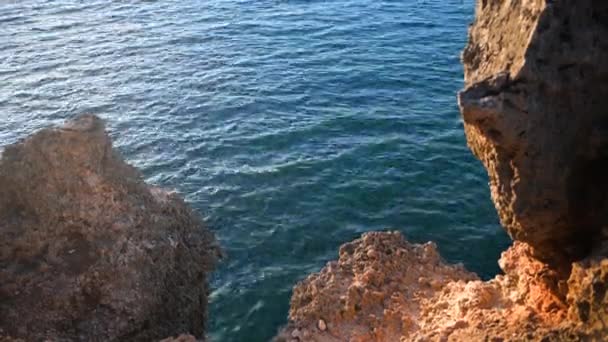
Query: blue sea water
292,125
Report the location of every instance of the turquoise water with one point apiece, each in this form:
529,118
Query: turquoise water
293,125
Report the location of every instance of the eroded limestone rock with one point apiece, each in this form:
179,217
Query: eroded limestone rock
373,291
88,251
588,297
535,109
383,288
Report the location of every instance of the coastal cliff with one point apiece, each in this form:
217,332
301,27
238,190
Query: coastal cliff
535,112
88,251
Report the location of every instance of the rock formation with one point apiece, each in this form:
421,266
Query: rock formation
88,251
535,112
535,109
373,292
385,289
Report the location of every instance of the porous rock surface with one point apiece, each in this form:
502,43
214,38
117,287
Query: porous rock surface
88,251
535,110
383,288
373,292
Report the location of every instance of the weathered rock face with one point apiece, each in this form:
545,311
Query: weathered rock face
535,109
88,251
588,297
374,292
383,288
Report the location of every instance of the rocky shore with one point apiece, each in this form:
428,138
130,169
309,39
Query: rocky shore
535,112
88,251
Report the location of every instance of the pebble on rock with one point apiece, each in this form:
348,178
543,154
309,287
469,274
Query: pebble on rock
321,325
